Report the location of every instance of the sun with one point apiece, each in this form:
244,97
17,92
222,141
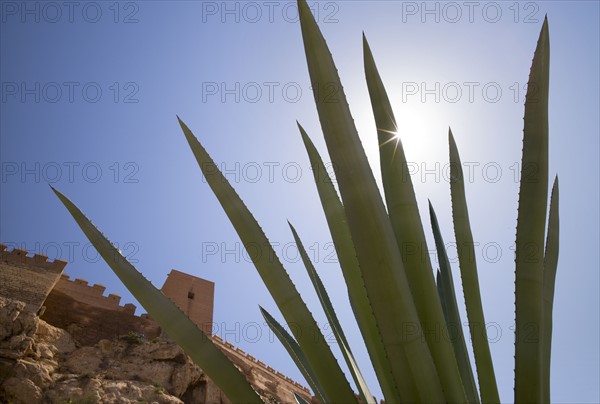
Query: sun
394,138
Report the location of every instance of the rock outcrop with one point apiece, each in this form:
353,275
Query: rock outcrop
40,363
75,350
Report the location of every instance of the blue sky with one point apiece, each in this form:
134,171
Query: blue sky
89,97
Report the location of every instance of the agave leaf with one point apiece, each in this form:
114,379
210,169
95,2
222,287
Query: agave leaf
184,332
275,278
531,225
470,280
441,293
408,229
299,399
387,286
359,301
453,320
550,265
361,384
295,352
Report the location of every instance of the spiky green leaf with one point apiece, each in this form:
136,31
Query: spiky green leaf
470,279
550,266
408,229
294,310
184,332
531,225
378,256
299,399
440,289
295,352
357,294
453,320
334,323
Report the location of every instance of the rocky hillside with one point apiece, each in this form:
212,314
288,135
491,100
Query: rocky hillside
40,363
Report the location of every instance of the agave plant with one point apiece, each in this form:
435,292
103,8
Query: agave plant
394,295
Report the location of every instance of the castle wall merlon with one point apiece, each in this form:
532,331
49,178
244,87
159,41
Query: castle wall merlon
99,289
114,298
37,281
80,290
40,275
129,308
19,257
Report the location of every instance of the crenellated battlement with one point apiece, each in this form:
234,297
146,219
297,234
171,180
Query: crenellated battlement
27,278
80,290
21,258
89,315
230,348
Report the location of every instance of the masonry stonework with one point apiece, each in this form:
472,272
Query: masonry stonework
93,295
263,377
28,279
194,296
89,316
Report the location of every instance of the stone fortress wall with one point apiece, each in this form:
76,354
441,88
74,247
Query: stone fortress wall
28,279
262,375
80,290
91,316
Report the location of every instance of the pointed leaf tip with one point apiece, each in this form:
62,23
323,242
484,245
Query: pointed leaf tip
368,53
431,211
544,36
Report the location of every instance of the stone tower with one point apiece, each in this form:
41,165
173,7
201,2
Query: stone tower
193,295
